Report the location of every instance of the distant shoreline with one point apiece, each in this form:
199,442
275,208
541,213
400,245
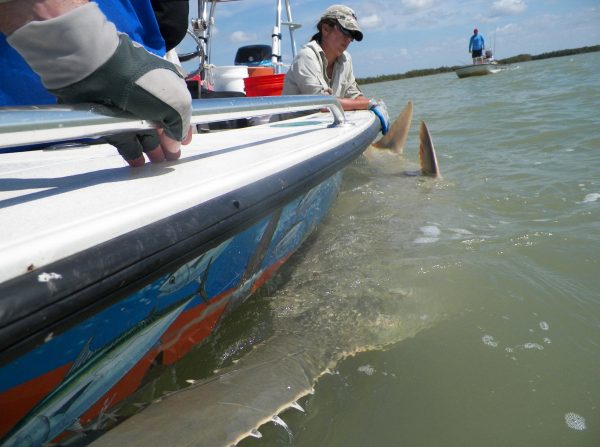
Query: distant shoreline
510,60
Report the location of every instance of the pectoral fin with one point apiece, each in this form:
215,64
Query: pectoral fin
395,139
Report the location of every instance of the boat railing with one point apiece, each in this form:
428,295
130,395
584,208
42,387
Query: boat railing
32,125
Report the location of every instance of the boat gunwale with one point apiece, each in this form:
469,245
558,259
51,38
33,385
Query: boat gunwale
31,126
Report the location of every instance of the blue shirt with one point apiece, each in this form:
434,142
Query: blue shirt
19,85
476,42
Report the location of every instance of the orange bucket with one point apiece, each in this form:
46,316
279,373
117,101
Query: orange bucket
260,71
268,85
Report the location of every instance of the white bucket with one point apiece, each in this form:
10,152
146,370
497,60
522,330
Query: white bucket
230,78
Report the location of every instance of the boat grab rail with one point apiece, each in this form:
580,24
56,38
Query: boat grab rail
31,125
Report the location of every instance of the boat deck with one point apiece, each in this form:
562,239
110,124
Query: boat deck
58,202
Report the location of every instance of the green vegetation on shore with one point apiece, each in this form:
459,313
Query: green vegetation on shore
444,69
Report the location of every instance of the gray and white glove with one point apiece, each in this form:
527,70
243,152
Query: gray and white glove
81,57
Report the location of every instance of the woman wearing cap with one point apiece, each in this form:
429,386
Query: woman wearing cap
323,66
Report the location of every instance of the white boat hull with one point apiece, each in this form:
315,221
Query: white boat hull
476,70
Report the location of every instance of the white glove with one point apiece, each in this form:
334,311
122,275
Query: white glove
81,57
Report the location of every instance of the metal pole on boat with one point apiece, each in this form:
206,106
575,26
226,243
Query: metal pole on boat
292,26
200,31
202,27
276,58
211,23
276,39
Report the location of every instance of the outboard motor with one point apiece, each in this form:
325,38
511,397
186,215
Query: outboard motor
253,55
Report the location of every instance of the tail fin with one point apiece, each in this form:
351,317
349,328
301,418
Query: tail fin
427,157
396,136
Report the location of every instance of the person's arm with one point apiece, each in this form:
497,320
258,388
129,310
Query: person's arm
54,38
358,103
355,100
305,77
352,96
16,13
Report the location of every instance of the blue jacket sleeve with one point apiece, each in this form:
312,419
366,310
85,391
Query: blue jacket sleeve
19,85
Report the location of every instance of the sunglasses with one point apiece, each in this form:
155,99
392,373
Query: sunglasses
344,31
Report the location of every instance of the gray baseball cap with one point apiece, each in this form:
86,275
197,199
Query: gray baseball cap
346,17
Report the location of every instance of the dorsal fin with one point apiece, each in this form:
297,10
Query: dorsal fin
427,156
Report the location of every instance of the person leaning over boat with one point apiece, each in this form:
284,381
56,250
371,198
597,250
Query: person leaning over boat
476,46
324,66
78,51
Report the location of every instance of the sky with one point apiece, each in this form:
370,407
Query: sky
403,35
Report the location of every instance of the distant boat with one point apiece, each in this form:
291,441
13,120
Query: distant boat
482,66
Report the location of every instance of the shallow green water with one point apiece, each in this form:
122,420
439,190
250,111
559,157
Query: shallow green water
466,309
493,272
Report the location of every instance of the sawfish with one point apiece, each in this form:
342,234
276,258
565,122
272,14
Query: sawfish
233,404
223,410
395,140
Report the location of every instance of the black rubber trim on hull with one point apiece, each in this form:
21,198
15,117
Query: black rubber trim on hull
104,274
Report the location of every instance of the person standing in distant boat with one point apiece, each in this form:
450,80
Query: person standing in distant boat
476,46
324,66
